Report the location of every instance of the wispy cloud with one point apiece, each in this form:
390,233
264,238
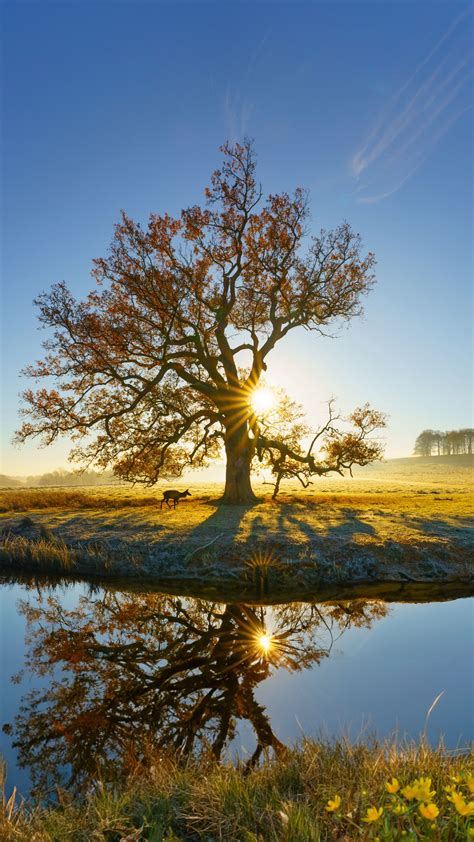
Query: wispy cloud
238,108
416,116
237,113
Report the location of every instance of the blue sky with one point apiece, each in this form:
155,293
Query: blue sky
124,105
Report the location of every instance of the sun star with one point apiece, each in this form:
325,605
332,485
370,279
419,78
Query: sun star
264,641
262,400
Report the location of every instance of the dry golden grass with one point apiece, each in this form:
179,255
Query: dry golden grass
104,497
20,552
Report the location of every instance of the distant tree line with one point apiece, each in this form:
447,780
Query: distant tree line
447,443
65,477
61,477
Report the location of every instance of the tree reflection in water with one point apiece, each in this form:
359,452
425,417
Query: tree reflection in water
132,673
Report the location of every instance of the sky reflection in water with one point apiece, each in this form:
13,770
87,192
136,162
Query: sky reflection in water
184,673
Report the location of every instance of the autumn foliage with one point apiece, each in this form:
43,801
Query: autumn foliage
124,676
154,371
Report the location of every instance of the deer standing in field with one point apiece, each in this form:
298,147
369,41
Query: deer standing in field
175,496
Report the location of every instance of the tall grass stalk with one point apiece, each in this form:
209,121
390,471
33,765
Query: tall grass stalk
52,555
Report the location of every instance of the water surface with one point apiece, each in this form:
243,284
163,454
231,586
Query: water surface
109,675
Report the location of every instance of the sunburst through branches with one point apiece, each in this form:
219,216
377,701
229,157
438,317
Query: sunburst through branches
264,641
262,401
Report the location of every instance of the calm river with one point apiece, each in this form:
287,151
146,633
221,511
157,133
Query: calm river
103,675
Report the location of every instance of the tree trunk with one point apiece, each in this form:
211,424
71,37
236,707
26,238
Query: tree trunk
239,449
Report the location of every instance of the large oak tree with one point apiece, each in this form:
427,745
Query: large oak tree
154,371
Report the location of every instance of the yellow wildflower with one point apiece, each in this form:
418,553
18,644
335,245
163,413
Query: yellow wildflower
392,786
423,789
456,778
400,809
333,804
410,792
470,832
470,782
373,814
429,811
462,807
459,802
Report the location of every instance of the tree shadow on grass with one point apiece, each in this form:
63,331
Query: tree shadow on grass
437,527
224,521
350,524
106,528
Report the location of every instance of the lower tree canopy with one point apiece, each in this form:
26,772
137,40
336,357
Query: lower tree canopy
155,371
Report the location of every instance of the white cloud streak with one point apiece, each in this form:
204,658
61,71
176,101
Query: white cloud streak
416,116
238,109
237,113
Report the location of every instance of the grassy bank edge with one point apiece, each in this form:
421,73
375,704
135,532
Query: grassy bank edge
53,564
284,799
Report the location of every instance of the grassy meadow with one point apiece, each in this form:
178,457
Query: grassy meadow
409,511
403,496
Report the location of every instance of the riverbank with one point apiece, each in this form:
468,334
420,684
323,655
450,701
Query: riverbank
314,791
371,536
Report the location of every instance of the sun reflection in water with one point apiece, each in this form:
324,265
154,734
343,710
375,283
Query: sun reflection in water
264,641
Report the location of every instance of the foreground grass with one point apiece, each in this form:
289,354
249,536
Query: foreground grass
52,555
316,792
16,552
